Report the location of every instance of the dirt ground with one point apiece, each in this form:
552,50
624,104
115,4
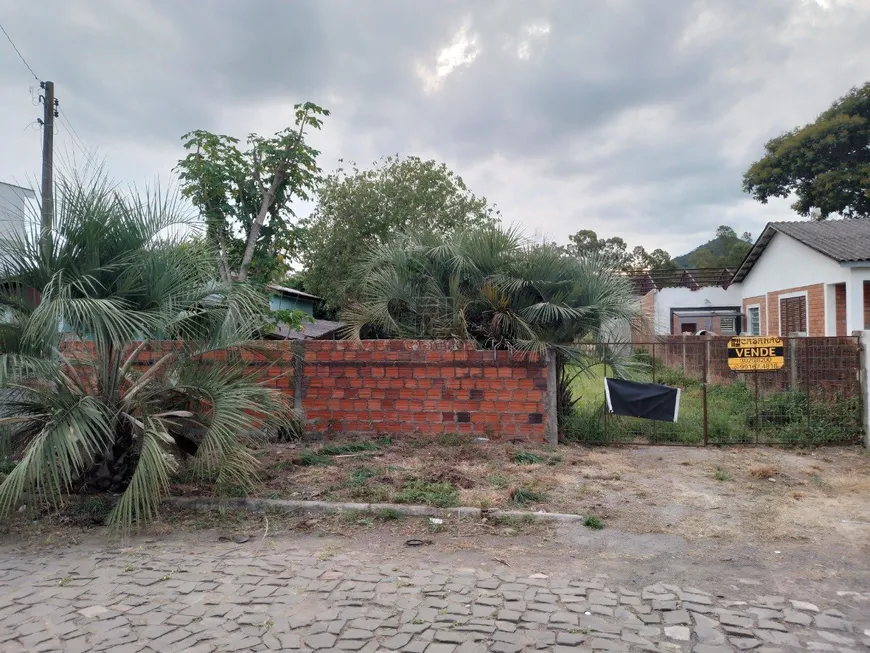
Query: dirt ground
789,520
693,492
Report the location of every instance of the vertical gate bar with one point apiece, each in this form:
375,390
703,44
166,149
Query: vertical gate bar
704,387
654,380
807,377
757,420
606,411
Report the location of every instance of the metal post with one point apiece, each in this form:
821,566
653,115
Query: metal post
704,387
757,418
606,411
807,378
552,399
792,364
654,428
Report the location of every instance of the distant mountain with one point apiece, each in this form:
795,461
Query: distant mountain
725,250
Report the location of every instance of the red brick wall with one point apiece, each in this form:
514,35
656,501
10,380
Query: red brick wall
395,386
399,386
840,308
770,323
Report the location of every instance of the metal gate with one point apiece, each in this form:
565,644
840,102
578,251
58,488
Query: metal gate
814,399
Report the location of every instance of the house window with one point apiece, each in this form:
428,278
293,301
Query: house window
793,315
754,321
727,326
688,327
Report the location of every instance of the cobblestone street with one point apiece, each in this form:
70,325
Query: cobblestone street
312,594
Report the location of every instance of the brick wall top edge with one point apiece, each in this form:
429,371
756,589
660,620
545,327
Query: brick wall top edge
391,345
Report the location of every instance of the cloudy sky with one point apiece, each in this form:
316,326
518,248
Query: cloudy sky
635,118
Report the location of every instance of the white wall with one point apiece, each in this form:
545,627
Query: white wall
12,208
786,263
668,298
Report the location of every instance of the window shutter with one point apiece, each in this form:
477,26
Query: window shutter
793,315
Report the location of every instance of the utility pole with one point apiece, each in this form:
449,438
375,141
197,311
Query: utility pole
49,114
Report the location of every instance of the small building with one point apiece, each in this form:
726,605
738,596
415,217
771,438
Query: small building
283,298
809,277
680,301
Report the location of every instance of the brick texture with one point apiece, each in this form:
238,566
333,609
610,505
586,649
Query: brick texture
397,386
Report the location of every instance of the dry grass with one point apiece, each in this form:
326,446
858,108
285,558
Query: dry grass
763,471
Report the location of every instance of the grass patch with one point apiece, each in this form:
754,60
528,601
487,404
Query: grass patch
721,474
524,495
453,439
347,447
310,458
593,522
498,481
439,495
361,475
763,471
391,514
528,458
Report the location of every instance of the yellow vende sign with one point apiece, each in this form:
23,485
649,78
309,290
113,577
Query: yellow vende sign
755,354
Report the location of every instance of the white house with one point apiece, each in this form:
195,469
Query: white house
807,277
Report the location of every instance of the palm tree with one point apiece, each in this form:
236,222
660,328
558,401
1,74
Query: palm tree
116,279
492,286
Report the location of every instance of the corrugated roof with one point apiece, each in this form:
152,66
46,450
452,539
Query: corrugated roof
291,291
309,330
845,241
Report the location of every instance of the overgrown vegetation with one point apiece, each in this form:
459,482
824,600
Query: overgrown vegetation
114,279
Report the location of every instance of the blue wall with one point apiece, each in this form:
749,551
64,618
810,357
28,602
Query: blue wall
283,302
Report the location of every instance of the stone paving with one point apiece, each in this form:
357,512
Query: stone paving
203,598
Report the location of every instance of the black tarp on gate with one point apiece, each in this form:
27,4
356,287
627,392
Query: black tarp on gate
646,400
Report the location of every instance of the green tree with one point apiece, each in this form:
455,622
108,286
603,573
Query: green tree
245,196
78,412
826,163
491,286
586,242
357,209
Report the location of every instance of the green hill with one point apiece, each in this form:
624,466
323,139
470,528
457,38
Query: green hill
727,249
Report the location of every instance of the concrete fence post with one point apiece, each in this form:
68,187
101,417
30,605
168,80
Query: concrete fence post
793,363
298,349
864,376
551,399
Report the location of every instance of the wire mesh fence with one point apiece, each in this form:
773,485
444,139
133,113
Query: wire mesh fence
815,398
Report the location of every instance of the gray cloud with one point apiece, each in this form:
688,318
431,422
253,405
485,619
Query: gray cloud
632,118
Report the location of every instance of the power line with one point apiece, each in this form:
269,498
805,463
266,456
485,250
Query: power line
18,52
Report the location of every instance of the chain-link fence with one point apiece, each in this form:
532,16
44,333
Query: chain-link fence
815,398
